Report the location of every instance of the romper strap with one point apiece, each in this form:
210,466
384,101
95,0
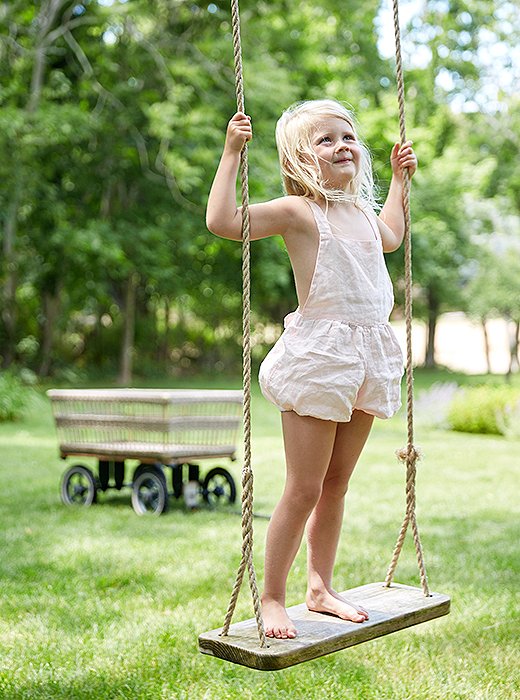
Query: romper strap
373,225
319,217
324,225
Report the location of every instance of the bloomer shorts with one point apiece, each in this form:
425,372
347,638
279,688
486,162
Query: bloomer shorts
327,368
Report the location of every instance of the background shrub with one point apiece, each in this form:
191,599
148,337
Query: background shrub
483,409
14,397
432,405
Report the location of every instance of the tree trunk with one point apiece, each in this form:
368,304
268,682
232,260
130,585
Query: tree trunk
11,280
127,348
514,332
165,345
46,18
486,345
433,315
51,308
37,77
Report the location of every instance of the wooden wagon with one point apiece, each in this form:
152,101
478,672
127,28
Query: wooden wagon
160,429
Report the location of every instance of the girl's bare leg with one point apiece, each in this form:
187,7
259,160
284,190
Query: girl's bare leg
308,449
324,526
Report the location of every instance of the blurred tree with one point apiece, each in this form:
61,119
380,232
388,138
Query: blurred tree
496,135
451,95
127,108
31,34
495,291
112,121
494,281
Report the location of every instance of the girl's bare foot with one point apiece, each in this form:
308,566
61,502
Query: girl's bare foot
328,601
276,621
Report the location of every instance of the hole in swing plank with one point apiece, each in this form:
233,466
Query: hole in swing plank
390,609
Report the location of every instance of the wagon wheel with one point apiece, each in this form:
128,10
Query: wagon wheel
219,487
149,490
78,486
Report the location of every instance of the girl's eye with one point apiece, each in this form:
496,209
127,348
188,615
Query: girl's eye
325,139
349,137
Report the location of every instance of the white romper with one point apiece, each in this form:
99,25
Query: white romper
338,352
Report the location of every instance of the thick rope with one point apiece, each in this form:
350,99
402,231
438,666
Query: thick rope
247,472
409,455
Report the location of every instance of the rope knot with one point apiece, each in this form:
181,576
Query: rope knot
408,454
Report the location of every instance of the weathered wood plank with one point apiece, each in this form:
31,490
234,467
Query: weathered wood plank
390,609
146,452
160,396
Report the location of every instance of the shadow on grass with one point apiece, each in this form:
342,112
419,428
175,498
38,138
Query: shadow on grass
91,686
169,673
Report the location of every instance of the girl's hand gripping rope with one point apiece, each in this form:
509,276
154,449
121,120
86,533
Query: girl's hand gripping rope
239,131
403,157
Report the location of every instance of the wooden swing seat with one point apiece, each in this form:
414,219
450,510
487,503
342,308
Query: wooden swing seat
390,609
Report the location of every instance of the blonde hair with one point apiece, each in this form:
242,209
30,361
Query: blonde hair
299,165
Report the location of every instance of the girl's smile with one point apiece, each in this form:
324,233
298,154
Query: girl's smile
335,144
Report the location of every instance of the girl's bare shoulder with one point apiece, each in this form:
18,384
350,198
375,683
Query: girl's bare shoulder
301,218
283,216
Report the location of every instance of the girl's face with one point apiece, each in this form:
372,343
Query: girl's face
339,154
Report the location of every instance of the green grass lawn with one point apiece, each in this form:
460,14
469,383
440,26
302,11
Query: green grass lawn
99,603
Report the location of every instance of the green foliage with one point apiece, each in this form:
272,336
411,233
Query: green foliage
495,288
484,409
111,123
14,397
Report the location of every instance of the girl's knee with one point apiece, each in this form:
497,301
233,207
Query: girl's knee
302,496
335,487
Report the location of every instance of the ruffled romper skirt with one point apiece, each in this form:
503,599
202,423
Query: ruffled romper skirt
338,352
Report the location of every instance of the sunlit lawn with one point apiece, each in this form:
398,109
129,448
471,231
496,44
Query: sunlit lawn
99,603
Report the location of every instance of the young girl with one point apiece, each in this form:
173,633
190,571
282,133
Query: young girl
338,363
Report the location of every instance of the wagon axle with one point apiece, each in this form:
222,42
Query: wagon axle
150,493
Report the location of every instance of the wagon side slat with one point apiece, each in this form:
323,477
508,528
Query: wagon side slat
147,423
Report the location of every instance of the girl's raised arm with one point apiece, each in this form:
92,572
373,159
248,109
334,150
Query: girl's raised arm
223,217
391,218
